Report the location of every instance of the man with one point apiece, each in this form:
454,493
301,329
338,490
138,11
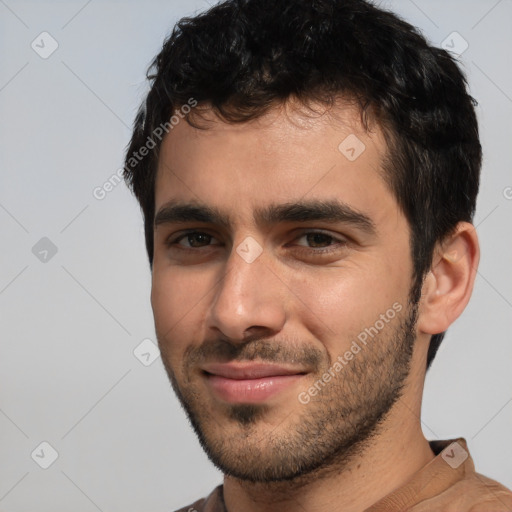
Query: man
308,172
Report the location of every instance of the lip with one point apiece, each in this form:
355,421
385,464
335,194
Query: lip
244,371
249,383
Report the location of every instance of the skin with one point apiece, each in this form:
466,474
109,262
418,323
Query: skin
296,306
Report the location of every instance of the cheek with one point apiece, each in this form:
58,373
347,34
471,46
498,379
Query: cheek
336,304
178,300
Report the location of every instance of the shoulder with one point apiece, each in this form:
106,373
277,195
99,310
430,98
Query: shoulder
474,493
488,494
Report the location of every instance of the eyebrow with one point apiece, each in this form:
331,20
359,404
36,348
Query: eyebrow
332,211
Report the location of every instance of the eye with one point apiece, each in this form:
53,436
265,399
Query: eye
322,242
193,239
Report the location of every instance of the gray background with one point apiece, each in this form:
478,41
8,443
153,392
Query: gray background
70,323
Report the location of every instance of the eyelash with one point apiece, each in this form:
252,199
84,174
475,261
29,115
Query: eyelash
323,250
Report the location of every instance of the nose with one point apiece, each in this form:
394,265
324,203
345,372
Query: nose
249,299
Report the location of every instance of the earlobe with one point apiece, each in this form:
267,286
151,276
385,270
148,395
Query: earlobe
448,286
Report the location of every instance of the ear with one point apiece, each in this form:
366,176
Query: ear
448,285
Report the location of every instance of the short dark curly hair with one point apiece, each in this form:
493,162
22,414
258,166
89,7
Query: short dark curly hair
243,57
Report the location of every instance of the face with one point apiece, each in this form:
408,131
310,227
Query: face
281,280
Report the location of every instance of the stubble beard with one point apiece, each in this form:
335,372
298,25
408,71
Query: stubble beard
317,438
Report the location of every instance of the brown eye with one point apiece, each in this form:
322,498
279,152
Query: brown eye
198,239
320,240
193,240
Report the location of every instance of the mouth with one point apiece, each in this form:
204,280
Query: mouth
249,382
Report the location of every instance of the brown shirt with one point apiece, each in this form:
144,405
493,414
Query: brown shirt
448,479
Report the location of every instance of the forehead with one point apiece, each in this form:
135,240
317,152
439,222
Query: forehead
287,155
